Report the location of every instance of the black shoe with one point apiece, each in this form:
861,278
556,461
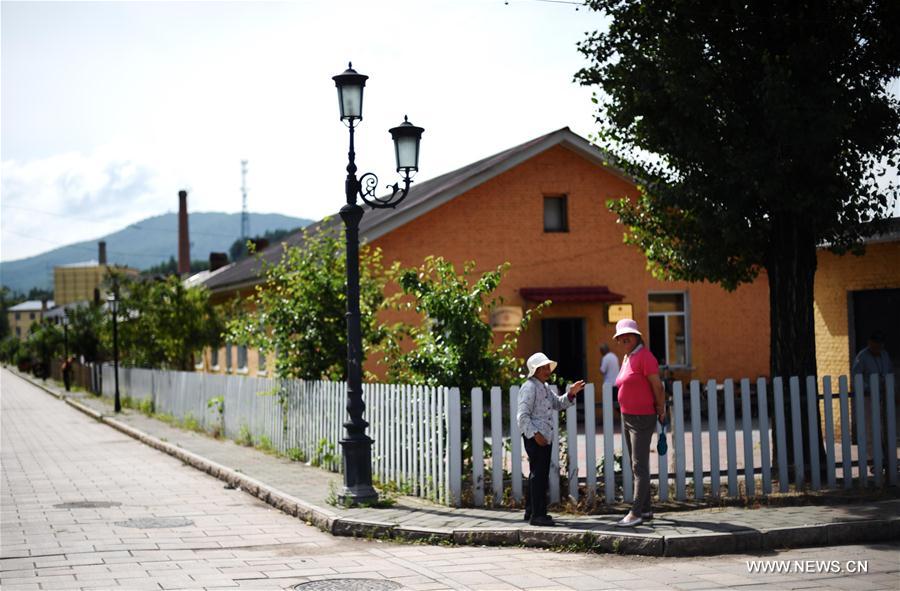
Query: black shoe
542,521
528,517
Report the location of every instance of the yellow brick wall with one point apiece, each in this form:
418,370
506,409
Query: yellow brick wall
836,275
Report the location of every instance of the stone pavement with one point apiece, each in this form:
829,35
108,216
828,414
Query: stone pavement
303,491
86,507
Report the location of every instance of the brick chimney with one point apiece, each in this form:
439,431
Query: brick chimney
101,252
217,260
184,243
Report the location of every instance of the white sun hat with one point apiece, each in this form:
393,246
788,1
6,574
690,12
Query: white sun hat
626,326
539,360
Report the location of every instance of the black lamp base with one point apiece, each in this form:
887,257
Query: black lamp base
357,461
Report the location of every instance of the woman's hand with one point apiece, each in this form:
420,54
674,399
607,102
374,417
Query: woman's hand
574,389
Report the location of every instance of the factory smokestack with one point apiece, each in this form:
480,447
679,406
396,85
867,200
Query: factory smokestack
101,252
184,243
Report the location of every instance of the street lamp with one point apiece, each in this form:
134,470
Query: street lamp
66,368
113,301
65,323
357,446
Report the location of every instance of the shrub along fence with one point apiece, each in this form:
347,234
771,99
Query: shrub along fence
727,440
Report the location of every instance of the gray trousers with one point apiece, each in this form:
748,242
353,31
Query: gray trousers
639,430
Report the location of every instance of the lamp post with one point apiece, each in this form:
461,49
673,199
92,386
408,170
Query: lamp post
357,446
65,323
113,301
66,366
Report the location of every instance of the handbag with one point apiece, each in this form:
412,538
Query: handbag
662,445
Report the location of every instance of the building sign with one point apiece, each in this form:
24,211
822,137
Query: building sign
506,318
616,312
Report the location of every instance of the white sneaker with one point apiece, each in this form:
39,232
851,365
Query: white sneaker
625,522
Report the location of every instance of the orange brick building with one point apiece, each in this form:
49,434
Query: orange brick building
541,206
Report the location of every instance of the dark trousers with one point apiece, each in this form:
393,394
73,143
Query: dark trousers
639,430
538,479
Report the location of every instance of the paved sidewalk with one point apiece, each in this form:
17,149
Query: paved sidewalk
302,491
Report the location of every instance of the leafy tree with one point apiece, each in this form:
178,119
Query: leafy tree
87,327
45,341
7,301
759,131
453,345
9,349
238,249
170,267
764,128
299,311
162,323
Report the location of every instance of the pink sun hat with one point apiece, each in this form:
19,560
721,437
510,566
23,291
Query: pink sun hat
626,326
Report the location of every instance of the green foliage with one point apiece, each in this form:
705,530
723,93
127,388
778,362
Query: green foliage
324,454
299,310
145,405
295,454
265,444
170,267
244,437
759,131
162,323
7,301
191,423
10,348
453,345
217,405
44,342
88,326
239,248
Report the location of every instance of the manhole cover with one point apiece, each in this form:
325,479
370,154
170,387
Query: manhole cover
87,505
155,522
348,585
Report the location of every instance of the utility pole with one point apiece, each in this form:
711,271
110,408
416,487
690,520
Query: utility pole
245,216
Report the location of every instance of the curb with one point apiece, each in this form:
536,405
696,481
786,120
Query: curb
706,544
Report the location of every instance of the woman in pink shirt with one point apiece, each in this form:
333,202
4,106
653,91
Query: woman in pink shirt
642,401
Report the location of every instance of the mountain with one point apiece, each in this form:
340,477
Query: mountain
144,244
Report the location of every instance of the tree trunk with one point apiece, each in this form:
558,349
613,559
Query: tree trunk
791,266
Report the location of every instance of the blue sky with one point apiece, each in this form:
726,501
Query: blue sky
108,108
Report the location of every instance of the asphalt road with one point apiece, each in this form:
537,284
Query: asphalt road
85,507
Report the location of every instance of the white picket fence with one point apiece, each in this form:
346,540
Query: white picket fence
726,444
304,419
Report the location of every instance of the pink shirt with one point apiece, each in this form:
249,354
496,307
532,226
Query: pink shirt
635,393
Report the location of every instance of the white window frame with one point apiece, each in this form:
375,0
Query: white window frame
687,323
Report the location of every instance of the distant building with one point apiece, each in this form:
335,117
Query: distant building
76,282
23,316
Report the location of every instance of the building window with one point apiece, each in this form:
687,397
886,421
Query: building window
31,315
227,356
214,358
242,357
18,331
556,216
261,361
18,316
668,328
